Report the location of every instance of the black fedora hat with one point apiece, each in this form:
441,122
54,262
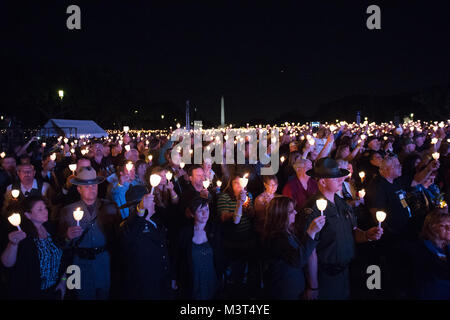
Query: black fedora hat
327,168
86,176
134,195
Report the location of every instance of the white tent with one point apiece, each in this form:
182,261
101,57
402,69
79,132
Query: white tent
72,128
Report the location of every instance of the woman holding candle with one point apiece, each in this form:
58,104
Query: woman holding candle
34,256
286,251
235,210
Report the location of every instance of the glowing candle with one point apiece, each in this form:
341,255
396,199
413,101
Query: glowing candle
380,217
155,179
129,166
434,140
127,148
43,144
206,184
78,215
435,155
126,129
66,140
150,157
244,181
321,205
182,164
282,159
73,167
169,175
53,157
362,174
2,155
14,219
361,193
15,193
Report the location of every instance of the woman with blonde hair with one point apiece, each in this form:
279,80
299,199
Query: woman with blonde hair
431,258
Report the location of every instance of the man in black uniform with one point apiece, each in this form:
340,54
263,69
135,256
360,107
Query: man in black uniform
328,265
387,193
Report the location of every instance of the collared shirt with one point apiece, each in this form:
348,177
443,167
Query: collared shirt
24,191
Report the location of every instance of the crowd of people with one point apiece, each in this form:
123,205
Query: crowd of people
141,224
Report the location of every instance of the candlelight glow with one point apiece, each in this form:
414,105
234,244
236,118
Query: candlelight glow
126,129
182,164
169,175
129,166
362,174
219,183
206,184
15,193
361,193
127,148
155,179
381,215
435,155
78,214
73,167
321,204
14,219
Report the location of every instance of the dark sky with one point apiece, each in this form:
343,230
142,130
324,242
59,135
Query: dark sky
265,58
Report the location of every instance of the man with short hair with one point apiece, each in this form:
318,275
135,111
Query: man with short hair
28,185
94,239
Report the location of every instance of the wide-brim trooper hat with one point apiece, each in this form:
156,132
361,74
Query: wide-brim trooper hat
327,168
86,176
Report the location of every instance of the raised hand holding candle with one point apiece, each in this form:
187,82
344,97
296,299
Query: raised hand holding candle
381,215
14,219
155,179
78,215
321,205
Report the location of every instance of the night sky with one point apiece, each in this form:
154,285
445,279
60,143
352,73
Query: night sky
265,58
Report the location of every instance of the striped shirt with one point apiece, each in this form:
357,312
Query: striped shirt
231,231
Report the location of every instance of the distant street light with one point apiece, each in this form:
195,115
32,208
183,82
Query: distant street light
162,116
61,94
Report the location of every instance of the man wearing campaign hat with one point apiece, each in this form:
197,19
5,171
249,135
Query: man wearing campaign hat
328,266
94,239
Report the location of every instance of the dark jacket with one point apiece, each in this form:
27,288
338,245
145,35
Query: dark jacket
146,268
431,275
184,263
24,276
285,257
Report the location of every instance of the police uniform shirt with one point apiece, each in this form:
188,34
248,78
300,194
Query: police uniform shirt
390,198
336,242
